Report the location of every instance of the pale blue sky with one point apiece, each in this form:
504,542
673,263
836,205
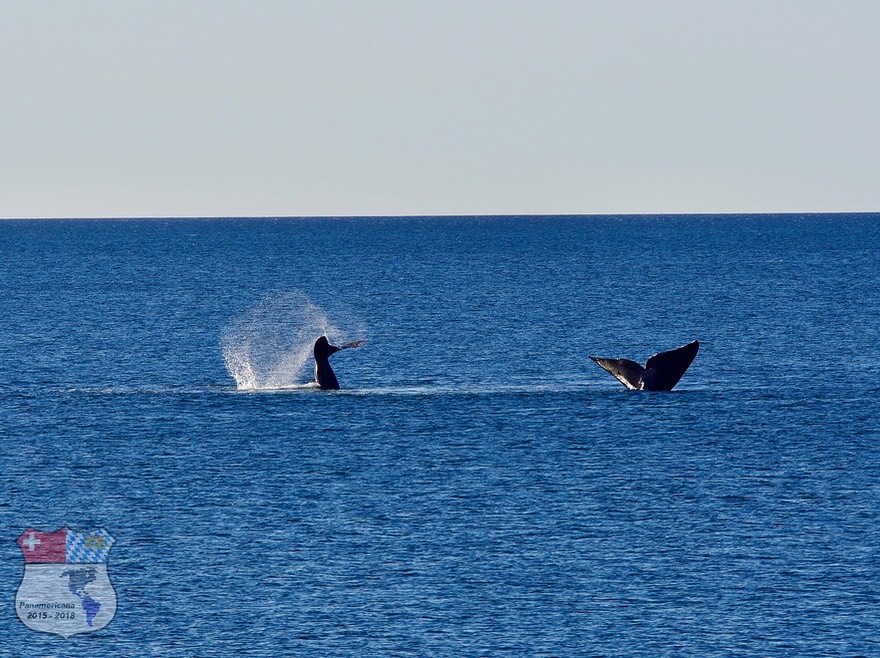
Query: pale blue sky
337,107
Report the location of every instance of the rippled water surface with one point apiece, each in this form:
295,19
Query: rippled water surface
478,487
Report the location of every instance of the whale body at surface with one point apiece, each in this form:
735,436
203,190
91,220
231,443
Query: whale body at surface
661,373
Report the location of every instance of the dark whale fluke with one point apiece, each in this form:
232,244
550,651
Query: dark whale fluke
661,373
325,378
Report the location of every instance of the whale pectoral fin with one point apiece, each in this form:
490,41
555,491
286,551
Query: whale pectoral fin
663,370
629,373
349,346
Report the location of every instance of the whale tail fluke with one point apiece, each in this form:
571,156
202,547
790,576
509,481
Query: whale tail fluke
662,372
629,373
352,345
325,378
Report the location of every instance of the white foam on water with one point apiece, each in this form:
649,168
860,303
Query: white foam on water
270,346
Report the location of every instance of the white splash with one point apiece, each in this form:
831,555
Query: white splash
270,347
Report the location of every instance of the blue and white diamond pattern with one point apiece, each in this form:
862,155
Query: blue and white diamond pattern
88,547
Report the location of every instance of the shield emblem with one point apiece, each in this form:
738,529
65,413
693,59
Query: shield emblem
65,589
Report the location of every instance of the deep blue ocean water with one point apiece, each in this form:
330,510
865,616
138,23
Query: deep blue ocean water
479,487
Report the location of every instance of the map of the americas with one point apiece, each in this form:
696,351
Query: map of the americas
77,580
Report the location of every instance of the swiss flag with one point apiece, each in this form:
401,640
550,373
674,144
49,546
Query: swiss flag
44,546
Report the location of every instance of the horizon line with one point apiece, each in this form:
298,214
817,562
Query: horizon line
450,215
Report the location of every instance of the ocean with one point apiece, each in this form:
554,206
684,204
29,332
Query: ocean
478,486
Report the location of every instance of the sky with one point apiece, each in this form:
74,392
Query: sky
124,108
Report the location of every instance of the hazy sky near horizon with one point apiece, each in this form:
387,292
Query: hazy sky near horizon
389,107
